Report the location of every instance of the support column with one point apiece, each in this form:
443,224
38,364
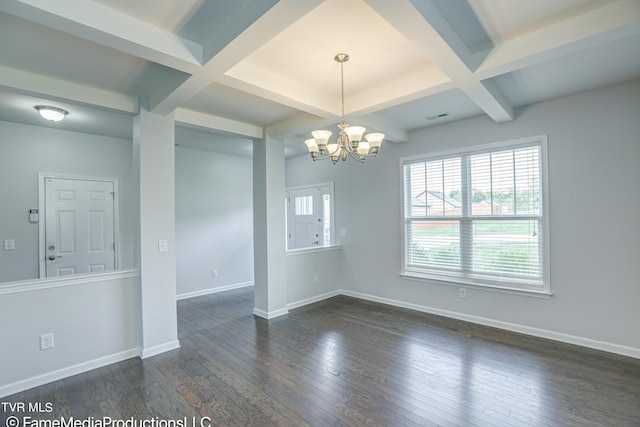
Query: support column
269,228
154,171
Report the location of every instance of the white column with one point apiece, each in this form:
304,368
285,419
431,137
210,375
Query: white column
269,243
154,169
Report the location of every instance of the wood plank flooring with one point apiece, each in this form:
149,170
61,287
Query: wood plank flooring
348,362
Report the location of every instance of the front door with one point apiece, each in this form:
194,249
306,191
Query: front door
305,218
79,226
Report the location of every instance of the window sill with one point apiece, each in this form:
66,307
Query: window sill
469,284
314,249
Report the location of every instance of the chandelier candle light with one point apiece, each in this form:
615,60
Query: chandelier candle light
349,140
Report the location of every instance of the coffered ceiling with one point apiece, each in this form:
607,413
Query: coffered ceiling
240,67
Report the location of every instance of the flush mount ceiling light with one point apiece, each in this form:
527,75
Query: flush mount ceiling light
53,114
349,142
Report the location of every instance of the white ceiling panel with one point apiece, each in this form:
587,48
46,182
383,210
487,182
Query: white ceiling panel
19,108
599,66
299,62
170,15
504,20
433,110
223,101
55,54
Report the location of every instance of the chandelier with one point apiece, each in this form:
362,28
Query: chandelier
349,142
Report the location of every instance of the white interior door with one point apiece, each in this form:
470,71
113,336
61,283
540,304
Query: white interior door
305,218
79,226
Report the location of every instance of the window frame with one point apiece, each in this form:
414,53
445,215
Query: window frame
323,189
459,277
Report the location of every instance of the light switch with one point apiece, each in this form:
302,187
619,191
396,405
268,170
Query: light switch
9,245
163,246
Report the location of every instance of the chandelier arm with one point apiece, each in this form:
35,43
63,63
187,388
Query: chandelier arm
326,156
355,156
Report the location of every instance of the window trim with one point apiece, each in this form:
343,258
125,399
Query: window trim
469,279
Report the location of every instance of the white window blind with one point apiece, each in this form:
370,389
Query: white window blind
476,217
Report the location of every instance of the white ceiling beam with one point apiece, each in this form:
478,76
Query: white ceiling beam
303,123
490,99
374,123
608,23
423,25
299,124
97,23
38,85
207,121
220,36
421,89
289,93
280,16
453,44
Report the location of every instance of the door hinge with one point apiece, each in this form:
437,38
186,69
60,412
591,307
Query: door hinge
114,195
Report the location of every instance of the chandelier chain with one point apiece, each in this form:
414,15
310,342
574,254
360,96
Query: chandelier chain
342,87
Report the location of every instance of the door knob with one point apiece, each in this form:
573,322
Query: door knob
52,257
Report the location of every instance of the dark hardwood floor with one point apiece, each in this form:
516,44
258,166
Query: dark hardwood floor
345,361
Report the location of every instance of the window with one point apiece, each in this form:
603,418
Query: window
303,205
477,217
309,216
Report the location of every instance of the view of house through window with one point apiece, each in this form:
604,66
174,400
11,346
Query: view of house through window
477,217
309,216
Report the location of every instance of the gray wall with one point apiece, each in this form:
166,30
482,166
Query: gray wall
94,323
214,220
27,150
594,150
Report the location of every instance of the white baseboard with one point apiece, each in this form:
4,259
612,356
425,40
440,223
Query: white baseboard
271,314
513,327
213,290
38,380
157,349
313,299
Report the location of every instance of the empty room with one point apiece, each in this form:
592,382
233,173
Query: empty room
319,213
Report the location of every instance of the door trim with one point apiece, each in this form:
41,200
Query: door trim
42,176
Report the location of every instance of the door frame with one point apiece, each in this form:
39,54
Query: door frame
42,177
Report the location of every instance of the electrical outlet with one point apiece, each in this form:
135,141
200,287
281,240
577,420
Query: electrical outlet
463,292
214,273
316,280
9,245
46,341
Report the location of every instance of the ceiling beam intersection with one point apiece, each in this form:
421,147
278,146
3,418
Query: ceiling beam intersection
267,26
423,24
